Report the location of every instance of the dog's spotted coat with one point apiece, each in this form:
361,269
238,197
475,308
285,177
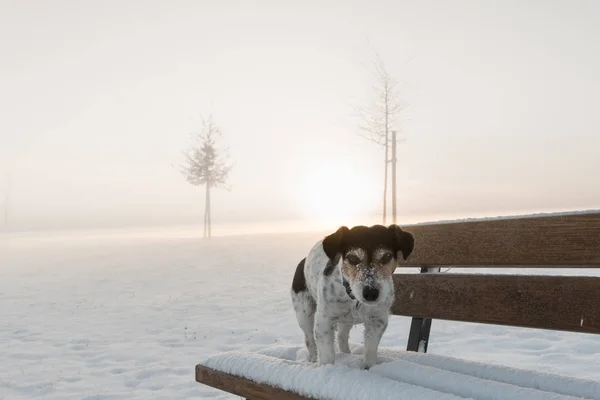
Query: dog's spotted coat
345,280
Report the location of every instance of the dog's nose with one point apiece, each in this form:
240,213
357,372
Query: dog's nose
370,293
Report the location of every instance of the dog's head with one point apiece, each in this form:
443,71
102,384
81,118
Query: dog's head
369,256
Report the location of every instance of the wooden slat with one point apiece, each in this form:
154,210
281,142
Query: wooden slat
565,240
242,386
566,303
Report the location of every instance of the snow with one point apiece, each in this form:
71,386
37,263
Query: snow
400,375
129,316
545,381
341,381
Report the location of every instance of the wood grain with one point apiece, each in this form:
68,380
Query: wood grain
550,241
566,303
242,386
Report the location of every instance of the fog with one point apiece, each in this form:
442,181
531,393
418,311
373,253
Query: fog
99,99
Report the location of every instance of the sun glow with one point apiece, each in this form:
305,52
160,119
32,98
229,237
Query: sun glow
334,194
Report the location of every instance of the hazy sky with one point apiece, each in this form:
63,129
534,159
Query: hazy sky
99,98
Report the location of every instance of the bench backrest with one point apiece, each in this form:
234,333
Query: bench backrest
569,303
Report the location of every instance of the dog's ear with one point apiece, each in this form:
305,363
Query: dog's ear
404,241
332,244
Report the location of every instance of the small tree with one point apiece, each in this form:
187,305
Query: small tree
379,120
205,165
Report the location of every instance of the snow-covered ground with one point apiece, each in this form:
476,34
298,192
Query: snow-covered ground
128,317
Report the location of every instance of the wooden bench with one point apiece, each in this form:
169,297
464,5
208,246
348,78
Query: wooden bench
565,303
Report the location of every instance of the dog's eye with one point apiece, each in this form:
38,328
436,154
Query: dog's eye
386,258
352,259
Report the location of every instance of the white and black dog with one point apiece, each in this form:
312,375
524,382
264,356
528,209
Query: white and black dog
345,280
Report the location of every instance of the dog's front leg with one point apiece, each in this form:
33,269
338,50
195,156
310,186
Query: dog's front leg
343,337
324,338
374,328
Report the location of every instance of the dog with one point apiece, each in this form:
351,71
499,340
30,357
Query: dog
345,280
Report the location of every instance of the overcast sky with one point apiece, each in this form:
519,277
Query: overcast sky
99,98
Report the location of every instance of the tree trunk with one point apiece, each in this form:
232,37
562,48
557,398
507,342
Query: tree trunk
208,203
206,210
394,177
385,179
205,222
386,163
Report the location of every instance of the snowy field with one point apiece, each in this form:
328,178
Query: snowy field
128,317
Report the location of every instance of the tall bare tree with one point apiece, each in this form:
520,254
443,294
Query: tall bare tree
206,165
378,121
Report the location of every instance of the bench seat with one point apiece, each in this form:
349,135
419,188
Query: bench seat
399,375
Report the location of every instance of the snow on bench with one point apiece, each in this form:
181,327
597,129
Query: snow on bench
399,375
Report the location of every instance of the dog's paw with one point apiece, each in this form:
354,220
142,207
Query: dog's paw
364,365
312,357
326,359
367,364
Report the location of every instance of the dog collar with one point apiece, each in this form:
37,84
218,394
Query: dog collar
348,289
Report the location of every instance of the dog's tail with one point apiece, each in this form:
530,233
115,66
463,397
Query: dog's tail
299,282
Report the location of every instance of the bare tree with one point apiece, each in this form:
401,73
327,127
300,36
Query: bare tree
378,122
205,165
